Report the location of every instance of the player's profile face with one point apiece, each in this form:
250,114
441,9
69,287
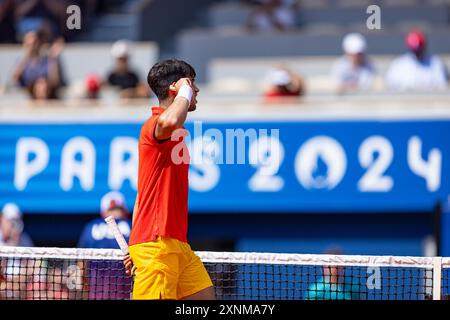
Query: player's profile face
196,90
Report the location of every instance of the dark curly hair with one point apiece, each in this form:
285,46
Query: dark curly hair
164,73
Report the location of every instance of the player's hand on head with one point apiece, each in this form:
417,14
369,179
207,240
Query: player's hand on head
181,82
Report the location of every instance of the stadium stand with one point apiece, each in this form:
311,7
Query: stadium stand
119,20
212,36
320,30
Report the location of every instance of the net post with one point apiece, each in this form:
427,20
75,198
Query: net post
437,278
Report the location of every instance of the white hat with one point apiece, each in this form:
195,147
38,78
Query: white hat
354,43
11,212
279,77
111,200
120,49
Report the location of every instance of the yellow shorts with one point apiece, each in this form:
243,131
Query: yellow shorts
167,269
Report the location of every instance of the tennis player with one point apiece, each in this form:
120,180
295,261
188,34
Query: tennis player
164,263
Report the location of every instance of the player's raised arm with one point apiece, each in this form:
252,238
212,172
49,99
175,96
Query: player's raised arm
175,114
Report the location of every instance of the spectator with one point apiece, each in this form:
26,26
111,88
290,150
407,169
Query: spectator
417,70
333,284
96,234
42,90
14,273
353,71
40,73
11,228
282,83
122,77
272,14
7,23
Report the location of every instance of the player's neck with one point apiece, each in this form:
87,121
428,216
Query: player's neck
165,103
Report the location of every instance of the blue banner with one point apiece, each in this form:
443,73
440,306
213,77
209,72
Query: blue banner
288,166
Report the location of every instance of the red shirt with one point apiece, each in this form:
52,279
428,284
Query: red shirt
162,186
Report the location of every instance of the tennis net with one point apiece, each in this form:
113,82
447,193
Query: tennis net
57,273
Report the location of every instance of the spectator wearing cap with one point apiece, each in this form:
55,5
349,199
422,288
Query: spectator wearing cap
122,77
353,71
11,227
96,234
281,83
417,70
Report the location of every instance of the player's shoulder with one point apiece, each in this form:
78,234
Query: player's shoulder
149,124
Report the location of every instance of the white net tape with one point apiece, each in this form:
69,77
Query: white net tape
234,257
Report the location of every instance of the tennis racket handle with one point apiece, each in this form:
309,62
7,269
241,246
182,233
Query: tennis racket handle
117,234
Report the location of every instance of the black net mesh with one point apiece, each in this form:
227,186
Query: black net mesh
34,278
446,281
299,282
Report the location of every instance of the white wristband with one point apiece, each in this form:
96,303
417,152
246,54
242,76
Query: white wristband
185,92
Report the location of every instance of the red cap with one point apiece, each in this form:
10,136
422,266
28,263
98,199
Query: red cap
415,41
92,83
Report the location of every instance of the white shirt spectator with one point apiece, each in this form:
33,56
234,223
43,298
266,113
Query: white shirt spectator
409,73
361,77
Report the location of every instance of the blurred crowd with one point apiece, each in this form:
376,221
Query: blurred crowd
61,278
121,77
415,70
40,71
96,233
39,25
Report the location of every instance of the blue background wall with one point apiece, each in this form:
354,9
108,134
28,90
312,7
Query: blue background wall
307,212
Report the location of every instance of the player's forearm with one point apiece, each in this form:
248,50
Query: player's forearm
176,113
173,118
